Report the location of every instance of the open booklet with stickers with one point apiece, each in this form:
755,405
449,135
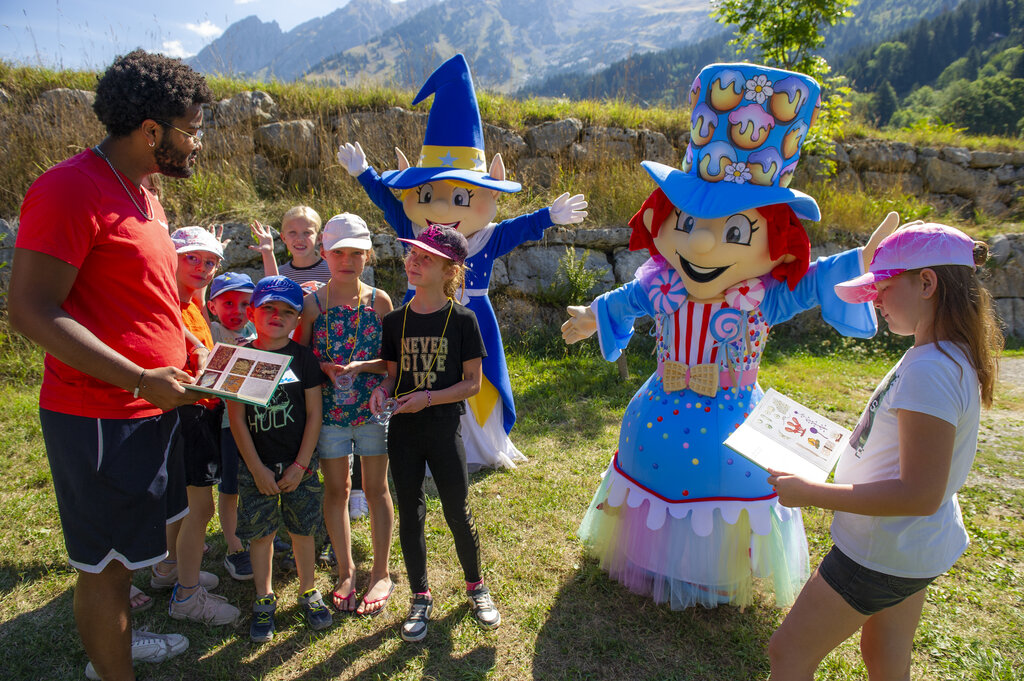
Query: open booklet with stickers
243,374
783,435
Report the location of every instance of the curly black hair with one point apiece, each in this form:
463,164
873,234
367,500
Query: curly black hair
140,86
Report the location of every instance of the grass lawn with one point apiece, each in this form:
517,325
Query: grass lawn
562,617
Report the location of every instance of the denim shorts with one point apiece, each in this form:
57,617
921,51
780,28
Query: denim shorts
866,590
369,439
259,515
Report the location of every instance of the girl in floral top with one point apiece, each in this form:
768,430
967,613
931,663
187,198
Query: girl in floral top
341,322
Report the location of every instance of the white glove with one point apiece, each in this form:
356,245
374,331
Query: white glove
352,157
568,210
581,324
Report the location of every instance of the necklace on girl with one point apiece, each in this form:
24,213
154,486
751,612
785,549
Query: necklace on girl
344,382
149,216
426,374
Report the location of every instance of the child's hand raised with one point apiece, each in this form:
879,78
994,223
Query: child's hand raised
263,236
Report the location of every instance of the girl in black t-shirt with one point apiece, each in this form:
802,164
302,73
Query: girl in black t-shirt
433,351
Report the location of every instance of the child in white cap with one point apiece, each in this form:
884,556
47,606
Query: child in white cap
898,524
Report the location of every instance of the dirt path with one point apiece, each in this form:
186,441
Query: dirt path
1011,371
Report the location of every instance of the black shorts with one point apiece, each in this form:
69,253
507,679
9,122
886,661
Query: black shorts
118,484
200,432
229,462
867,591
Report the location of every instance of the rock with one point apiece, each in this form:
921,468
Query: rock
537,171
1005,174
927,152
290,143
220,144
501,141
264,174
249,108
611,144
303,177
532,269
577,152
1011,315
554,137
388,247
999,250
1006,280
63,104
943,177
848,180
951,203
603,239
958,155
380,132
654,146
7,236
4,97
499,274
991,206
626,262
989,159
1018,158
238,256
908,183
884,156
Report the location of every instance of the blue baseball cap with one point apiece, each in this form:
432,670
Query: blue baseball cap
231,281
277,288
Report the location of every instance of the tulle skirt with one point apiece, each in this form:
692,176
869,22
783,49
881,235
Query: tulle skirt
684,563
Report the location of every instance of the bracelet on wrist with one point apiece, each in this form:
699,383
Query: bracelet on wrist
428,398
138,385
299,465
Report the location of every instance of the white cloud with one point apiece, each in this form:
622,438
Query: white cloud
174,48
205,30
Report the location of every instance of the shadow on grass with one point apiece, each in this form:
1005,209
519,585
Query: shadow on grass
597,629
13,574
43,643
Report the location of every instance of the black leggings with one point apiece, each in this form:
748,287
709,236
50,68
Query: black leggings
432,437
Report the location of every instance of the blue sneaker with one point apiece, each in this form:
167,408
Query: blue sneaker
262,628
316,613
238,565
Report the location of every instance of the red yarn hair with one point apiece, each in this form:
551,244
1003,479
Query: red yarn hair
786,235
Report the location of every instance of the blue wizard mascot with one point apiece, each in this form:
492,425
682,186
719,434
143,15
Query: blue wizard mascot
679,516
452,185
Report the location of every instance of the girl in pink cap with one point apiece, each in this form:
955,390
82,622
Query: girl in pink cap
898,524
434,354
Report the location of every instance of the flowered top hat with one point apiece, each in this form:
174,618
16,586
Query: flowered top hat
746,128
453,147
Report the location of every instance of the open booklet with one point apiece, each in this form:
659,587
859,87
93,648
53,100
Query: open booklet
784,435
243,374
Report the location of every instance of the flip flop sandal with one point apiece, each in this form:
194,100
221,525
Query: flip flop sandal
383,601
133,594
338,598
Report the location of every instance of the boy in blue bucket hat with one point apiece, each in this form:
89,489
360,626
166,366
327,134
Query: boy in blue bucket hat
451,185
678,516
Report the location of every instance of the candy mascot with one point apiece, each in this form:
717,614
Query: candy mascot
678,516
452,186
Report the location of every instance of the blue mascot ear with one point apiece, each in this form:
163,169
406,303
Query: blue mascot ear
453,146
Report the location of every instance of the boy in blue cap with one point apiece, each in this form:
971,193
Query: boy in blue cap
230,294
278,444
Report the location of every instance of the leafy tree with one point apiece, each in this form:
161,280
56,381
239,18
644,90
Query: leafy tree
885,103
783,33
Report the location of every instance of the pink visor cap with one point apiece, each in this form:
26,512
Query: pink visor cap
443,241
911,248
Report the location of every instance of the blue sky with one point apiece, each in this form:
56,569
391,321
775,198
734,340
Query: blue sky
88,34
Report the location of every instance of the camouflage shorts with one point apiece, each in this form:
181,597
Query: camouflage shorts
300,511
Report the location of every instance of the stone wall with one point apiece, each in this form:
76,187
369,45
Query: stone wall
295,151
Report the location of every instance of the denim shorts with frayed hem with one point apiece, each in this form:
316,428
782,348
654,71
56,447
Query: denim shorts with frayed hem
867,591
368,439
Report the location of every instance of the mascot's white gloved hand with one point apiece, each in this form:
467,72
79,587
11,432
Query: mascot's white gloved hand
568,210
352,157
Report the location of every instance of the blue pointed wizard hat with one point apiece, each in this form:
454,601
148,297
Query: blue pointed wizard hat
747,125
453,147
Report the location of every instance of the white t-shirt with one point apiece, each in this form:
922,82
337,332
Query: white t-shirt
927,381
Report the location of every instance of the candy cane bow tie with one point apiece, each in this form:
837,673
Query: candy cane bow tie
701,378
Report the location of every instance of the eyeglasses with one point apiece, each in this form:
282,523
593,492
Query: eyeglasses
196,138
194,260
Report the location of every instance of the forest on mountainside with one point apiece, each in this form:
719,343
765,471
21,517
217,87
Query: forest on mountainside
963,66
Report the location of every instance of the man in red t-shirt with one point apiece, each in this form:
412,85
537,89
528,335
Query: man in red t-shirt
93,282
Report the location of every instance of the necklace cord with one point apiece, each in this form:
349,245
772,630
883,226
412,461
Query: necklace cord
433,361
99,152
